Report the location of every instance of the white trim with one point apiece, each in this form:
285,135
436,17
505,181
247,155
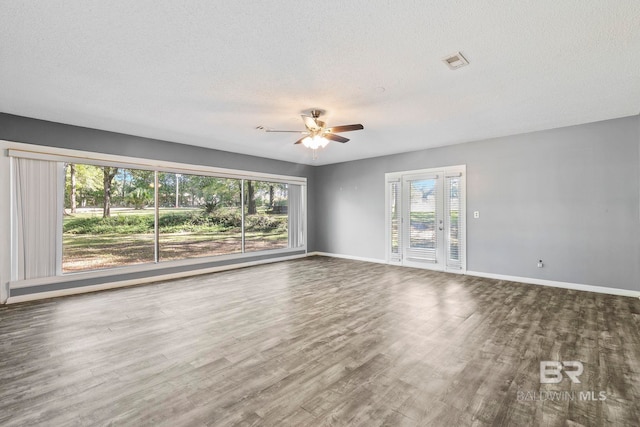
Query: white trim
83,275
39,152
441,169
12,245
120,284
351,257
6,258
556,284
60,216
517,279
124,283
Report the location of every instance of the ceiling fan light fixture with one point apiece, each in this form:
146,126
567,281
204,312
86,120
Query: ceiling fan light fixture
315,142
317,134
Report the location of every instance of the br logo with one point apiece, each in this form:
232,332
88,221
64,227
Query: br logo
551,371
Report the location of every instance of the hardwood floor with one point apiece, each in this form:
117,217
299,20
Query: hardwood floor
320,341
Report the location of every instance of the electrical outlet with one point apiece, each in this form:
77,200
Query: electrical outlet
540,264
476,214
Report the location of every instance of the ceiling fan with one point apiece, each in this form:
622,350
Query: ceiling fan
318,134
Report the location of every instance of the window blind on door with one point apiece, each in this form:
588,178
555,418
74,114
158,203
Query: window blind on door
395,219
454,221
422,233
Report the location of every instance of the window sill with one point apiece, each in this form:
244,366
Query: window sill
141,268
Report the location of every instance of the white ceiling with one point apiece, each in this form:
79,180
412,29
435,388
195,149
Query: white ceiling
208,72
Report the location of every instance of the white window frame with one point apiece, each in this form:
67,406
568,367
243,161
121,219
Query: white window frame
447,171
36,152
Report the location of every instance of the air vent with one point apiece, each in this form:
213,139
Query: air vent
455,61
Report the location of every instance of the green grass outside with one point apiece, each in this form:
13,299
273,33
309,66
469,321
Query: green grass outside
127,237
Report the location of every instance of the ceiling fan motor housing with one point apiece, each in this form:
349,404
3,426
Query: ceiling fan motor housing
318,132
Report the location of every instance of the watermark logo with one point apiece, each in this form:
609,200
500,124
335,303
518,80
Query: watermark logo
554,372
551,371
558,396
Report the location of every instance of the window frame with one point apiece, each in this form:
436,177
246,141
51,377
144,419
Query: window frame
399,177
63,155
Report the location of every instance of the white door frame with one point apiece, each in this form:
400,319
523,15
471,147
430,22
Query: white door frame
402,177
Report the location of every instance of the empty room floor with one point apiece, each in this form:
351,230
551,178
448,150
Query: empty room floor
320,341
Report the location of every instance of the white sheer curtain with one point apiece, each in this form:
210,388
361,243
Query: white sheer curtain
35,211
296,216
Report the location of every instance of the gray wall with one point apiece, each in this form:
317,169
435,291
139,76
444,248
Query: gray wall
32,131
568,196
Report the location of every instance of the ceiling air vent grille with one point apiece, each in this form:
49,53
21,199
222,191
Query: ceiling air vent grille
455,61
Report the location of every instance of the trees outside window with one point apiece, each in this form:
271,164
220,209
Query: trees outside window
266,216
111,227
205,221
110,216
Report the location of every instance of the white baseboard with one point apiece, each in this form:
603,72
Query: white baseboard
113,285
556,284
527,280
351,257
123,283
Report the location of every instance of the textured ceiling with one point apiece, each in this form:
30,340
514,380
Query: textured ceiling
208,72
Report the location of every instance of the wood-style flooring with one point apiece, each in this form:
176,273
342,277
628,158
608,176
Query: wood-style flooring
320,341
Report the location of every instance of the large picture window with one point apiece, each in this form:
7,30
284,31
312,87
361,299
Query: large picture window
199,216
104,215
108,217
266,216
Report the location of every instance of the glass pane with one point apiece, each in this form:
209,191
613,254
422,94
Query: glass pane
199,216
395,218
454,217
266,216
422,216
109,217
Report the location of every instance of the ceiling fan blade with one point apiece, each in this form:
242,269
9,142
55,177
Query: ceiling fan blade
345,128
288,131
299,141
336,138
310,123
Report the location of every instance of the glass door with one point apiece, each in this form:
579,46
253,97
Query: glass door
426,218
423,222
